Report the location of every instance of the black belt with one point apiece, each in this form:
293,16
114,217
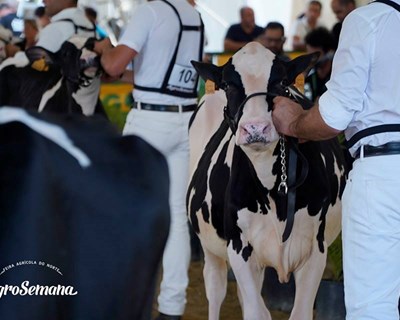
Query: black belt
385,149
161,107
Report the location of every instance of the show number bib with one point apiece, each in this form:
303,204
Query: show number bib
183,78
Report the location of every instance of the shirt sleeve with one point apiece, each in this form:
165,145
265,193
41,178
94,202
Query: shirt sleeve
55,34
350,71
139,28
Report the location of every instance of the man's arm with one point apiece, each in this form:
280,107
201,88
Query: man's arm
298,44
114,60
292,120
231,45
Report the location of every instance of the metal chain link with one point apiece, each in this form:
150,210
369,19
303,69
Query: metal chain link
283,188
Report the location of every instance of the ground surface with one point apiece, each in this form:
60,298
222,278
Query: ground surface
196,308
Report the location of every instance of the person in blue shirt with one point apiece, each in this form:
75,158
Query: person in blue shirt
91,14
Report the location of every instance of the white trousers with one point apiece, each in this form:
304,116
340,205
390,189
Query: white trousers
168,133
371,239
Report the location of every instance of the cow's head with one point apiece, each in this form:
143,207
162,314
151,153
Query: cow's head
76,60
251,79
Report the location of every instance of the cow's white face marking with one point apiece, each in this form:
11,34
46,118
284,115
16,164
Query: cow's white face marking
86,55
254,63
255,129
78,41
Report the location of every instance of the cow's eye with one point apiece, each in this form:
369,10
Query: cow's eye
231,87
235,95
224,86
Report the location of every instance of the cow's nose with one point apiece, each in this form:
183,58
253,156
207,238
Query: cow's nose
255,128
254,132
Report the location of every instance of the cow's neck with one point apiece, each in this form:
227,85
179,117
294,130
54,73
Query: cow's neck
263,165
245,188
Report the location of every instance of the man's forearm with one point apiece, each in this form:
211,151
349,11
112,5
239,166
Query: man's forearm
230,45
292,120
310,126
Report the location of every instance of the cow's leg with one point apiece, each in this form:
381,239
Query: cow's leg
240,297
215,278
307,279
249,276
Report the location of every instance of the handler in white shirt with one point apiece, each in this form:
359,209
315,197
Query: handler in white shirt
162,38
363,100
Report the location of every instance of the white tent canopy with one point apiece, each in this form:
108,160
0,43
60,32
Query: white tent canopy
218,15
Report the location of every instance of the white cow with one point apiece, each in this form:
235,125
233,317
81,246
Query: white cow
236,171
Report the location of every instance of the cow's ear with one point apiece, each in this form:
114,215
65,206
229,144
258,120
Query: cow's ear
40,59
208,71
300,64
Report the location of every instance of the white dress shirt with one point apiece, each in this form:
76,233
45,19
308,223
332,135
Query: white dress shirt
364,89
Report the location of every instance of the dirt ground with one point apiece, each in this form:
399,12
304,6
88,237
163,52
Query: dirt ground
197,302
196,308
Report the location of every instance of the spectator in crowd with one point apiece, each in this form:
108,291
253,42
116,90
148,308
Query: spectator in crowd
341,8
305,23
30,35
9,19
66,20
165,96
319,40
5,38
91,14
70,20
363,101
242,33
42,19
273,38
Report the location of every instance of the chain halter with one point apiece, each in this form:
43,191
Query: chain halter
288,184
283,187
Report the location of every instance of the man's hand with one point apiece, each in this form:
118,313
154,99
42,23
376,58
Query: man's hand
101,46
285,114
11,50
291,120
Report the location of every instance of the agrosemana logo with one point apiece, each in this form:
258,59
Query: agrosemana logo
36,290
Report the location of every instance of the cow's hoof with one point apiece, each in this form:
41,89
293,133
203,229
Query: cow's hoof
162,316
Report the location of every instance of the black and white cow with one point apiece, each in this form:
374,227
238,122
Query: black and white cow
80,207
236,171
67,81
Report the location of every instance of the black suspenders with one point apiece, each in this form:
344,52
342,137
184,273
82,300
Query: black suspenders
77,27
164,87
395,127
389,3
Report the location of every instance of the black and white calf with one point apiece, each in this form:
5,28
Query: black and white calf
67,81
236,171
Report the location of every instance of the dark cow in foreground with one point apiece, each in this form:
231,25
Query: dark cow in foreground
81,208
67,81
233,199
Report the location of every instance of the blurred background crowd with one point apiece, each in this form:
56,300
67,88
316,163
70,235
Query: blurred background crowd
218,16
